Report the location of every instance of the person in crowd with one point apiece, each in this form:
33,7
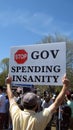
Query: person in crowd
69,98
2,108
28,118
66,114
45,104
6,120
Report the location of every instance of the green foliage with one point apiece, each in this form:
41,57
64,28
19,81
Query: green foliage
2,78
51,89
4,66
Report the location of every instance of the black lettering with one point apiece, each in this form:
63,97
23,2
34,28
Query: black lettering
35,55
30,79
23,68
44,54
30,68
17,78
13,69
57,68
55,79
43,78
37,78
18,68
48,78
54,53
49,68
13,78
37,68
24,78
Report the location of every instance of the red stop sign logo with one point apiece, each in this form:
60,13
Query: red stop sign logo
20,56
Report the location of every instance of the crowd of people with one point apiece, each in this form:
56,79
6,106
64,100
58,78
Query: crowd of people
30,111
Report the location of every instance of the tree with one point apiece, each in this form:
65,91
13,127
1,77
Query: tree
4,66
69,51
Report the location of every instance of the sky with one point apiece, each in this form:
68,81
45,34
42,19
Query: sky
26,22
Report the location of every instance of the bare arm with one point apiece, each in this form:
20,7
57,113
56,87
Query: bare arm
61,95
9,91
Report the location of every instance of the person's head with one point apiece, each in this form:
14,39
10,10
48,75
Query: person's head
30,101
47,98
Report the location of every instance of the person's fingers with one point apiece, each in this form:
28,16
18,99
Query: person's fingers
8,79
65,76
8,75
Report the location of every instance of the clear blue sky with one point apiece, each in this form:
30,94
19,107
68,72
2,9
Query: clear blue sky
25,22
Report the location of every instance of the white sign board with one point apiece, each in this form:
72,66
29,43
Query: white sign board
40,64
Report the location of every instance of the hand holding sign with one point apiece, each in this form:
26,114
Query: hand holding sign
8,80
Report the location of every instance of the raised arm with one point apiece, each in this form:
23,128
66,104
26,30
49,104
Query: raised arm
61,95
9,91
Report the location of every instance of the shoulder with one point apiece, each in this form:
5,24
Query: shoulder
14,108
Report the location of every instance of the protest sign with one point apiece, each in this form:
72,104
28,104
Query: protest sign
39,64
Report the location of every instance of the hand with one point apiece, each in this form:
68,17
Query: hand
8,80
65,81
